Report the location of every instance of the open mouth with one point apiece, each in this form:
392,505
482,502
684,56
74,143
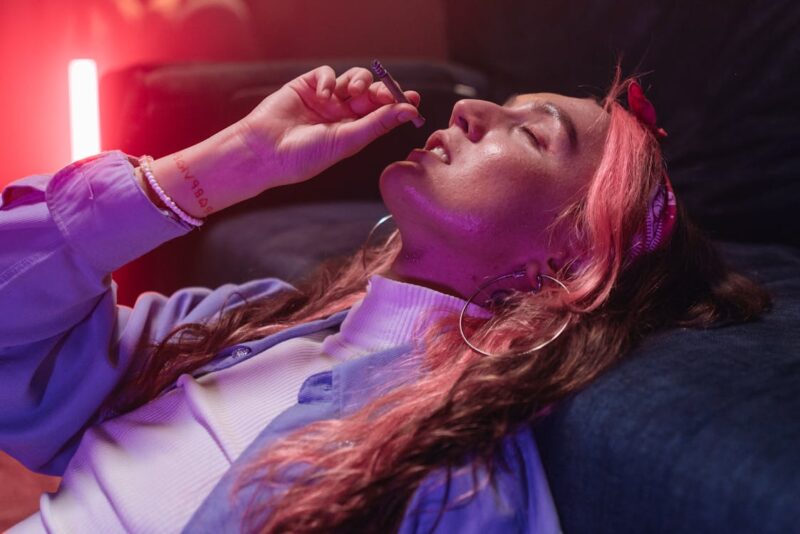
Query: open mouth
435,145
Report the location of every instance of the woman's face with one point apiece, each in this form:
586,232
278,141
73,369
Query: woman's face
481,194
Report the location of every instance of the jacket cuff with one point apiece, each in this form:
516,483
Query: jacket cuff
104,214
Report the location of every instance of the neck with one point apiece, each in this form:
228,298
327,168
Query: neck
449,275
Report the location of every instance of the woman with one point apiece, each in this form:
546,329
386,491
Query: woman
416,390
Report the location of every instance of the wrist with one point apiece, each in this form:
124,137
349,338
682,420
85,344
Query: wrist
145,165
207,177
145,186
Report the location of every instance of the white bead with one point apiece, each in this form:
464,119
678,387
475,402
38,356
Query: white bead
144,162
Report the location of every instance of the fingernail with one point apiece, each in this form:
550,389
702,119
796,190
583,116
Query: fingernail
359,85
405,116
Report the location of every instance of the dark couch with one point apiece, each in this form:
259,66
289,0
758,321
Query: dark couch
697,431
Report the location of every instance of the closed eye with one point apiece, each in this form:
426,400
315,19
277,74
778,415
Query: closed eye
532,136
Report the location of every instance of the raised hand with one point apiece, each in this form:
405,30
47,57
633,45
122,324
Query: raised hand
294,134
319,119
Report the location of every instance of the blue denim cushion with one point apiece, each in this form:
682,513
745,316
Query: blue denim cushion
697,431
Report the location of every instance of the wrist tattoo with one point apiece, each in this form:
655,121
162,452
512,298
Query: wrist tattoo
189,179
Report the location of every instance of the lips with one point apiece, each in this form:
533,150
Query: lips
436,146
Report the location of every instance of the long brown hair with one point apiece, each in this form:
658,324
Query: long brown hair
464,404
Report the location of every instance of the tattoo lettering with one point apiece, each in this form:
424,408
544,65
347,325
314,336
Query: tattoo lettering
190,179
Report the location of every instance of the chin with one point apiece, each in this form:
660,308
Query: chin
402,168
398,188
397,182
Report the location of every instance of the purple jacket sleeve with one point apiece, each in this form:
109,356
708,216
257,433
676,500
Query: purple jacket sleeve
64,342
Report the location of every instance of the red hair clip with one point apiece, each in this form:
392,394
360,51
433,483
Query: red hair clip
640,106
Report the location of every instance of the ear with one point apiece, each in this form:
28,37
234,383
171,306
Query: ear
533,269
575,254
567,257
557,260
549,266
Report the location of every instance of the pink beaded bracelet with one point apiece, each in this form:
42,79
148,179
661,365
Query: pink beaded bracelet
144,163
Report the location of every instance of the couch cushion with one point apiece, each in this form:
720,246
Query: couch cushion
284,242
697,431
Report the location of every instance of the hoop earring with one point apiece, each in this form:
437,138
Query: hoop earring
369,236
517,275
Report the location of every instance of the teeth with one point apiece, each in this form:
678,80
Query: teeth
439,151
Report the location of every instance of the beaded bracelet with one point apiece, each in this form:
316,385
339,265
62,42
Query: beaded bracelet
144,163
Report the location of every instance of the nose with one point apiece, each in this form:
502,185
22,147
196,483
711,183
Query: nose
474,117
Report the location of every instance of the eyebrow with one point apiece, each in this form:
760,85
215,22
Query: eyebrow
564,120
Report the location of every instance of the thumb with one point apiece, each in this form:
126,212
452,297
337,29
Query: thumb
357,134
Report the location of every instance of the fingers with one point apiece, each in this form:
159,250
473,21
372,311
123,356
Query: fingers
357,134
355,82
321,80
378,95
352,83
352,93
